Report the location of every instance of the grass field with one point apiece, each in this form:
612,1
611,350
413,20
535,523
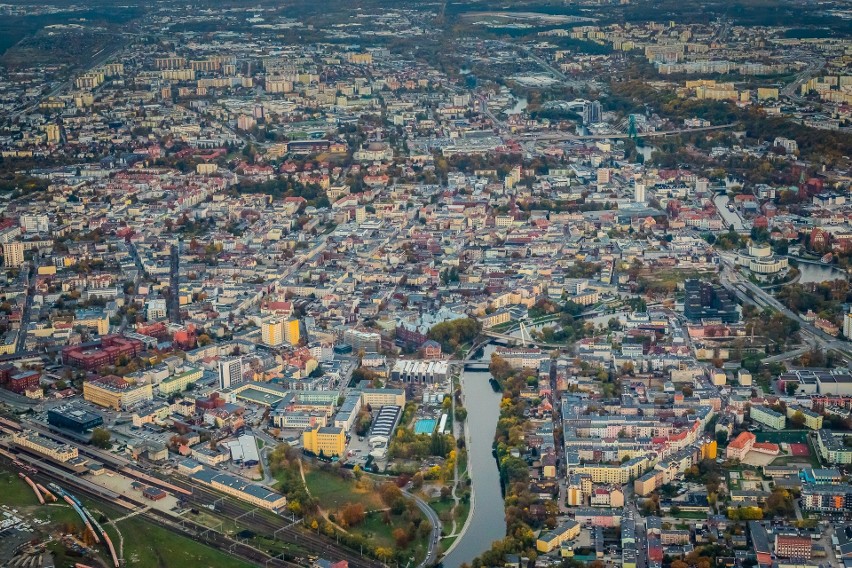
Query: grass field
163,549
15,491
333,492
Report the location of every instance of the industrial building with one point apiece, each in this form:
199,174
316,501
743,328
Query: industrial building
419,371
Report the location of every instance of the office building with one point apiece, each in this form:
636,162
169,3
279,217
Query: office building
592,112
70,417
328,441
704,300
230,372
116,393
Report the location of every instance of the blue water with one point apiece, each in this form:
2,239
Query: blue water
425,426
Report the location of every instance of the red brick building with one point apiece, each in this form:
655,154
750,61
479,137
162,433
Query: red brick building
791,546
111,349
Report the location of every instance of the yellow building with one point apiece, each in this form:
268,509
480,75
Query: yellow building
116,393
496,318
291,332
53,133
611,473
326,440
550,540
382,397
94,320
45,446
272,332
812,419
767,93
709,450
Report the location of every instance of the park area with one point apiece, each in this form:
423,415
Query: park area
369,507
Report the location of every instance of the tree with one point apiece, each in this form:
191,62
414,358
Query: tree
101,438
400,537
791,387
798,418
352,514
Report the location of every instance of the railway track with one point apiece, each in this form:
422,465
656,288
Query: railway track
276,528
185,527
261,522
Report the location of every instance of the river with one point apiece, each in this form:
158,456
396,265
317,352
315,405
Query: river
487,517
818,273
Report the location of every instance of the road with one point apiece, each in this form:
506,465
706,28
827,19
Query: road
174,283
734,284
105,55
26,314
791,90
435,537
556,137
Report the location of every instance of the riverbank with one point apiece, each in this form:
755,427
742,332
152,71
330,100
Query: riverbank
471,510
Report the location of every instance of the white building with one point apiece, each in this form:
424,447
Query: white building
35,223
230,371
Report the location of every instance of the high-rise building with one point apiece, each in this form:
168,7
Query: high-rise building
639,192
13,254
291,332
230,372
53,133
847,325
591,112
272,332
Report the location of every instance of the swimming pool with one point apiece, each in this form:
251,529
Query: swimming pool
425,426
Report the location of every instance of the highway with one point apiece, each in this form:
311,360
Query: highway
791,90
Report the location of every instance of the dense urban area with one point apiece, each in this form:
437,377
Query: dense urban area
539,283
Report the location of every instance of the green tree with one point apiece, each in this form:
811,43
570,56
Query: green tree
101,438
